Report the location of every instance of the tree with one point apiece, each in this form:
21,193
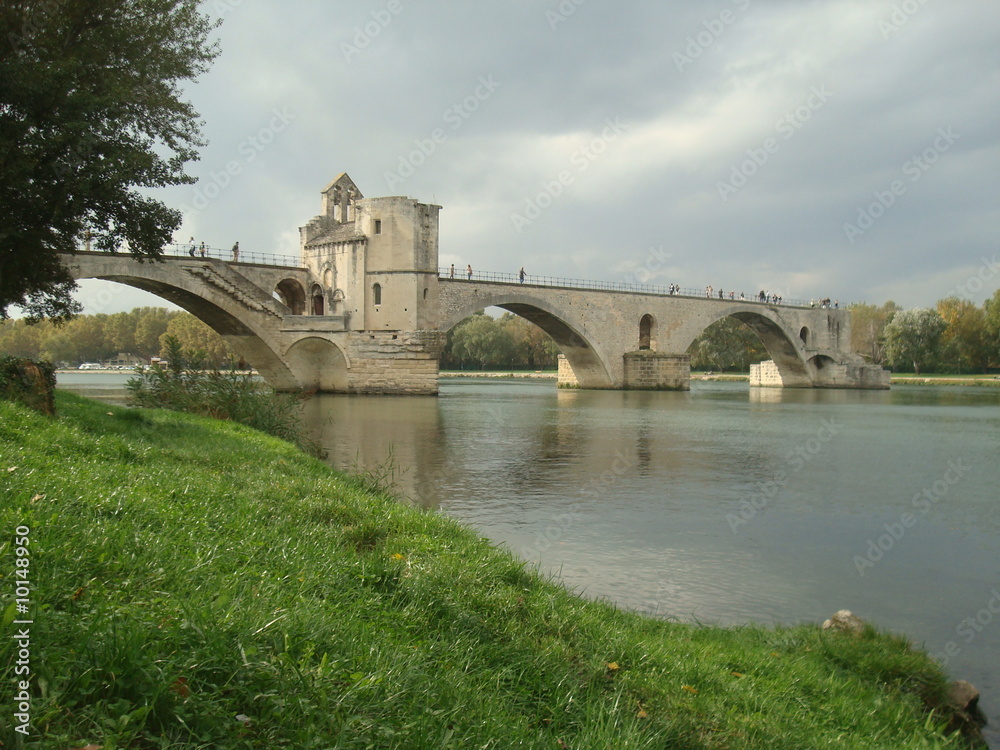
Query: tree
991,310
533,347
481,339
194,336
726,344
151,324
80,340
868,329
18,339
90,109
119,331
964,342
912,338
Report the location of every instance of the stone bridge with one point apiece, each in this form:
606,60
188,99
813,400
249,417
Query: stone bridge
634,340
364,310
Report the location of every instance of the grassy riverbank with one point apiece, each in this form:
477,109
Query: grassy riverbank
199,584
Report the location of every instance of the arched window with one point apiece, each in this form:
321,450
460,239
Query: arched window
804,335
646,332
377,294
425,293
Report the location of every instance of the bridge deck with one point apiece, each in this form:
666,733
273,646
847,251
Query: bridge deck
612,286
249,257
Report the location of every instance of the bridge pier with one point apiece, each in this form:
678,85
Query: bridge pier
825,374
365,309
647,370
643,370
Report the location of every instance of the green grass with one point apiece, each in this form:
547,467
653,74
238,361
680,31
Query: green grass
189,571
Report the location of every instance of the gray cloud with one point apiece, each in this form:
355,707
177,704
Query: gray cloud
702,88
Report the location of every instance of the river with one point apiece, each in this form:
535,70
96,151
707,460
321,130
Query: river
721,505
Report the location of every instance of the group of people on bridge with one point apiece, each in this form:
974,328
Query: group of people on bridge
762,296
194,249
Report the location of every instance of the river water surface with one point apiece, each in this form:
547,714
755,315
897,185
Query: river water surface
722,505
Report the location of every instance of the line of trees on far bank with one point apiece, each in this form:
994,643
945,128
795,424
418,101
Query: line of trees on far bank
97,338
956,336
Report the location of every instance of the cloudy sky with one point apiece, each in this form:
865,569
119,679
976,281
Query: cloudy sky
842,148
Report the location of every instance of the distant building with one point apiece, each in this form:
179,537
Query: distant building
125,359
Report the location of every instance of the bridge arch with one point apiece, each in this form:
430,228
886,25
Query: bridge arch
246,324
588,363
782,342
320,364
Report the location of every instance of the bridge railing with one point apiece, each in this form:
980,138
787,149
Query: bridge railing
619,286
183,250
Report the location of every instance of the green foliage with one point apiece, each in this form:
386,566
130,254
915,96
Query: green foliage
868,324
206,586
726,345
194,335
912,338
184,384
29,382
964,344
95,338
508,342
90,109
991,310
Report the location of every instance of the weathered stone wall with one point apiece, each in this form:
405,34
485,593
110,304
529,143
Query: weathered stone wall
566,378
654,371
400,363
852,373
595,329
765,375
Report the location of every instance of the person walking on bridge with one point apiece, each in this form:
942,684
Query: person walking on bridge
521,274
236,251
468,271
